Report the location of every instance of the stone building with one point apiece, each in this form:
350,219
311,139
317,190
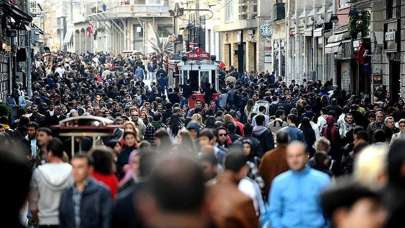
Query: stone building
125,25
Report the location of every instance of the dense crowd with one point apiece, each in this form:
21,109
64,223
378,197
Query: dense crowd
263,154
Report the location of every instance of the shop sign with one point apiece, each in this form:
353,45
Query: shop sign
390,36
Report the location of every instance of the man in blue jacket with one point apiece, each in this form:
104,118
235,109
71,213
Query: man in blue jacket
87,204
294,196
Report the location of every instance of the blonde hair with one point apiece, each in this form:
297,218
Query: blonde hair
369,166
197,117
133,125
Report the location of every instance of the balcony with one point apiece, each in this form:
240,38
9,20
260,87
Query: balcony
279,11
134,10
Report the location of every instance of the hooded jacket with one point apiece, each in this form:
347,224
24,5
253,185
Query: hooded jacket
47,185
265,137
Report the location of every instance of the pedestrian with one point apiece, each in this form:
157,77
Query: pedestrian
49,181
350,204
86,204
16,171
103,170
263,134
227,204
294,196
274,162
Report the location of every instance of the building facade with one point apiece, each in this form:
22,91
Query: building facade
121,26
15,48
238,31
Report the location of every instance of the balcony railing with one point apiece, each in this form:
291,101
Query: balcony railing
136,10
279,11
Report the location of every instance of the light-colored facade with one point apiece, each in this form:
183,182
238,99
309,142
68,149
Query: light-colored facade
238,30
116,26
308,28
203,16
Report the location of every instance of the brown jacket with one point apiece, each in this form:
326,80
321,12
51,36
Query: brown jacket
228,206
273,163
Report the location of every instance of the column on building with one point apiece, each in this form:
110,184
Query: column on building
402,32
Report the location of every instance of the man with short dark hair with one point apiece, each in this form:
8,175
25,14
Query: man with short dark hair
294,194
31,140
262,111
209,164
227,204
207,138
294,133
222,137
86,204
349,204
48,183
263,134
377,124
180,203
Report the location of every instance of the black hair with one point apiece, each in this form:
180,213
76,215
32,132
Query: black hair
282,137
207,133
235,160
396,160
361,134
33,125
56,147
220,128
102,159
48,131
379,136
260,120
262,109
293,118
344,194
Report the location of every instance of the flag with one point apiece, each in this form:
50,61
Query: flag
360,54
90,29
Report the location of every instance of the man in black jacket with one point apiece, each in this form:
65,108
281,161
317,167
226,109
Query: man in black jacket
263,134
87,204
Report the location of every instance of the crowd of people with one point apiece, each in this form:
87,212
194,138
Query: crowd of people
264,154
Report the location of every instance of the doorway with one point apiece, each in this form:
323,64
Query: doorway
395,71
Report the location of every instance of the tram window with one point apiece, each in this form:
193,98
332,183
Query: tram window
205,79
185,77
194,80
213,79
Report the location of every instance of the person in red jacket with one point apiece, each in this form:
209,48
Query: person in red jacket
103,171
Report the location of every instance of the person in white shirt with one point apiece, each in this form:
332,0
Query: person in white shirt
401,133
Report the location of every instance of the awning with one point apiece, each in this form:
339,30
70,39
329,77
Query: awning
332,48
318,32
37,29
337,37
15,12
68,36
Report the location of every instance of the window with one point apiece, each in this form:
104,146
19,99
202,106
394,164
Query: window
138,32
390,12
229,10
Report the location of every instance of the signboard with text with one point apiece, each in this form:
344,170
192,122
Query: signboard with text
198,54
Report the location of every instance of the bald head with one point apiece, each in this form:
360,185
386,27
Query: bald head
297,157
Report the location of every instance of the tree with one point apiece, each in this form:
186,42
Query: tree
161,46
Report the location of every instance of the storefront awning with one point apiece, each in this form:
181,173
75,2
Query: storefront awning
15,12
68,36
318,32
332,48
37,29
